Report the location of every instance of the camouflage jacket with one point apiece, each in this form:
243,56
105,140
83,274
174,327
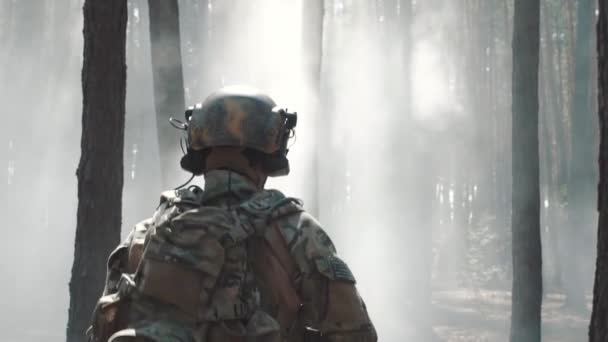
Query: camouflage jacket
229,263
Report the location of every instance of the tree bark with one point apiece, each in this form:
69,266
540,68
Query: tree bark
598,328
526,249
100,171
168,79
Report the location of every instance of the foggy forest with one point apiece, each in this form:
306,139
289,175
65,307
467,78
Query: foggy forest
452,149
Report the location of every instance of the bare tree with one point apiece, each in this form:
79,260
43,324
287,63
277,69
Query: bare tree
598,329
165,46
526,247
100,171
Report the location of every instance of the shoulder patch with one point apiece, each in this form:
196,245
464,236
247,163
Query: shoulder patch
334,268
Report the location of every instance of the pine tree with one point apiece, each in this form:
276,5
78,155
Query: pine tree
582,175
100,171
526,247
598,329
167,74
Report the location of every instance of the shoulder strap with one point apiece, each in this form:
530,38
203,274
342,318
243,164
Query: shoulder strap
268,205
190,195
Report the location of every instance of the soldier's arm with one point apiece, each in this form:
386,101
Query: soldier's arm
120,261
125,257
331,304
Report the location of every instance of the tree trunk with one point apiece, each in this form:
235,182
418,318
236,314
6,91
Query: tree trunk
503,192
6,25
142,180
5,37
526,248
547,123
313,14
561,150
194,36
569,54
481,36
598,329
406,24
582,175
168,79
100,171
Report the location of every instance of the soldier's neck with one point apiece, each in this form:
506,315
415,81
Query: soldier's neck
225,183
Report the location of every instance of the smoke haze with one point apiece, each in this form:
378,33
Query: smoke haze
393,159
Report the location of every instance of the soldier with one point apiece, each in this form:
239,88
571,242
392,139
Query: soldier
232,261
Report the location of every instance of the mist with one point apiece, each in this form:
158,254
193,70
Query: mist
404,153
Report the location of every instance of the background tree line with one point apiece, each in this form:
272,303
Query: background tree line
405,138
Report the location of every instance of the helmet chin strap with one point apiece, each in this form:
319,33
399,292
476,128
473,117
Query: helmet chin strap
231,158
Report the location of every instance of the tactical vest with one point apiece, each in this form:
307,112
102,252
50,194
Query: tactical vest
191,276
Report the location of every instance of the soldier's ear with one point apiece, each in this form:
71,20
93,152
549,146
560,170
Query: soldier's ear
194,162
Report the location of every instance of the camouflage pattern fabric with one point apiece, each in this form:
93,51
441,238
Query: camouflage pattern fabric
229,263
236,116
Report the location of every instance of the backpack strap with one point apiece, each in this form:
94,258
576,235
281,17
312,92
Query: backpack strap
267,206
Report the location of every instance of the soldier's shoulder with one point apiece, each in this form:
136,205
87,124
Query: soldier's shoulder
310,245
191,195
272,204
301,229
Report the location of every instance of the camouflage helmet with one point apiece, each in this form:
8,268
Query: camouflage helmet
239,116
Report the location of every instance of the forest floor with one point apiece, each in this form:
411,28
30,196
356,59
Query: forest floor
463,315
483,316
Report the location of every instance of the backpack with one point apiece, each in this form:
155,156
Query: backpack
194,269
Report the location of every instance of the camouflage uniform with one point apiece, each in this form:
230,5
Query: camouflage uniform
230,262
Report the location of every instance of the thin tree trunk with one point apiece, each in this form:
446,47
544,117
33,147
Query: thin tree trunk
544,147
582,175
526,248
406,52
169,98
313,14
141,165
562,149
598,328
5,38
551,116
569,54
483,23
194,35
563,65
6,22
100,171
503,136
